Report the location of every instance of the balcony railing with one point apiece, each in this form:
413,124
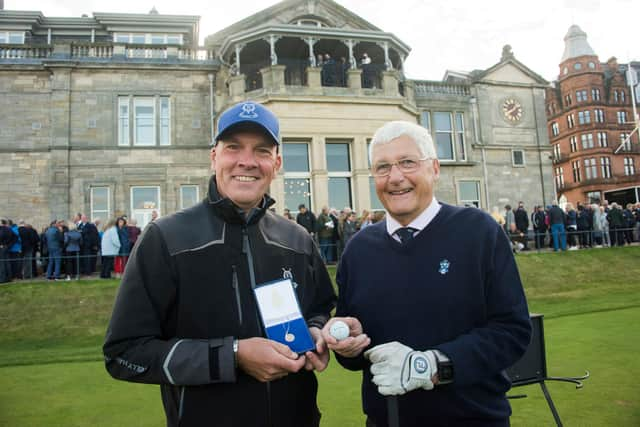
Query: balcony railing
102,51
614,180
92,50
21,51
425,88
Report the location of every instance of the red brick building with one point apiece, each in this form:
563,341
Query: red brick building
590,117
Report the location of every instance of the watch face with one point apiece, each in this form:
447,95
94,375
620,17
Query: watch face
512,110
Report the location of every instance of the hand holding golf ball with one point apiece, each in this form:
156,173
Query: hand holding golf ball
339,330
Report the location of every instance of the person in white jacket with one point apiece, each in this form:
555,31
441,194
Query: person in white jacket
110,248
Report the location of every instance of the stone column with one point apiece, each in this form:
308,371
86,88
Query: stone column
312,57
390,83
319,177
237,87
238,49
354,78
273,78
272,46
314,79
352,60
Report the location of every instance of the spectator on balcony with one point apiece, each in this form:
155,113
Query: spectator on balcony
368,72
342,66
319,61
328,74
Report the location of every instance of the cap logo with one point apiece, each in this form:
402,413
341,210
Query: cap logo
248,111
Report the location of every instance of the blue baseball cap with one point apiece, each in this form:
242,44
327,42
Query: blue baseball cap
249,113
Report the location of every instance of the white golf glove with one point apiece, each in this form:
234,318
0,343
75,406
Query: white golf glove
398,369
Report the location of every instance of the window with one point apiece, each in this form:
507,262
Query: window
622,117
590,168
339,168
616,98
567,99
591,65
297,175
570,121
100,203
575,166
151,118
595,94
573,145
469,193
189,196
559,178
556,152
625,141
593,197
555,130
10,37
629,168
621,97
581,96
462,153
425,120
602,139
144,121
148,38
587,141
165,121
584,117
599,115
605,167
123,120
444,135
144,200
577,66
517,157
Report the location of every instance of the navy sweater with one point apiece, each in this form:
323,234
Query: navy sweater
455,287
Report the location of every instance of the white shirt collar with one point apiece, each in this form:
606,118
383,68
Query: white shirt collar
419,223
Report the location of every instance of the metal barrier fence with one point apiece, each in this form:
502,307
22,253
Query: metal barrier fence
574,239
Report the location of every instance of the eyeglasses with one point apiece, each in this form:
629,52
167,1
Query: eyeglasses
406,165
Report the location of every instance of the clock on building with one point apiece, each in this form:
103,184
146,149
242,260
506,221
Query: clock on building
512,110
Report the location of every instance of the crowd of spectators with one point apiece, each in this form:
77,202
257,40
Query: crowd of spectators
332,229
570,228
334,72
65,250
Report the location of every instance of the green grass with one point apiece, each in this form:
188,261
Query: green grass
51,372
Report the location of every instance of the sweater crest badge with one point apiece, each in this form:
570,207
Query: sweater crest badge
287,274
444,266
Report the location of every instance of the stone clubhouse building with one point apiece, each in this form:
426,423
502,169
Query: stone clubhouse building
114,113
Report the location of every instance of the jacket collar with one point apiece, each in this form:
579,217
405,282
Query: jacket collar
229,212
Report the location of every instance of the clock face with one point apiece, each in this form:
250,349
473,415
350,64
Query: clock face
512,110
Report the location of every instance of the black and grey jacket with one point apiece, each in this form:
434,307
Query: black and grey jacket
187,293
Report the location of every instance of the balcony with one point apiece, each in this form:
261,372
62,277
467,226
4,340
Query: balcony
104,52
604,183
429,88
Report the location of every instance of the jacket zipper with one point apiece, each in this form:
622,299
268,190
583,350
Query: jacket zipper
246,249
234,284
181,407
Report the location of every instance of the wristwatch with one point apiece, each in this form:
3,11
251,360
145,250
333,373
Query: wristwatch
235,352
445,368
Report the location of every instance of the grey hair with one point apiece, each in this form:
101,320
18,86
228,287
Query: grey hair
396,129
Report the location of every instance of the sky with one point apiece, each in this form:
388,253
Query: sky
444,35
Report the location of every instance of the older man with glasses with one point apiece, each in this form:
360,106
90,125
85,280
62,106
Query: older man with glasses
432,297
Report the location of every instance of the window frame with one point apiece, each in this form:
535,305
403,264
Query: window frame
182,188
513,158
297,175
92,209
475,202
605,167
342,174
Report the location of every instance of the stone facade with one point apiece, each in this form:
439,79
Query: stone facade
62,148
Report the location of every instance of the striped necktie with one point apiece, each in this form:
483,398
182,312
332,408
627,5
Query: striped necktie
405,234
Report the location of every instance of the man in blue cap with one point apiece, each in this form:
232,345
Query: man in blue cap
186,316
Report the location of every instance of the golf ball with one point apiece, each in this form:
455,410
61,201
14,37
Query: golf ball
339,330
